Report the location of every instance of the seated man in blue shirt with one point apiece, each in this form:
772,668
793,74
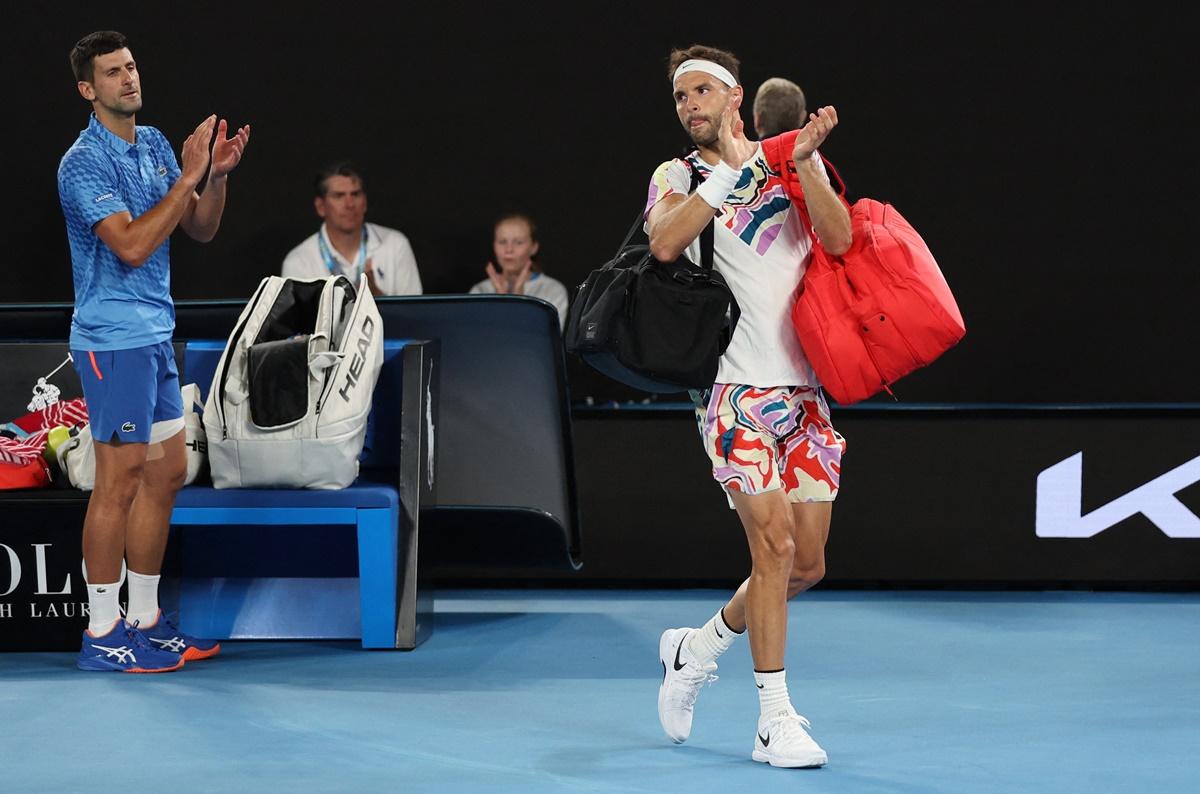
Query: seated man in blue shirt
123,193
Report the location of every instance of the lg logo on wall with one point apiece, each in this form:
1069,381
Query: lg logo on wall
1060,504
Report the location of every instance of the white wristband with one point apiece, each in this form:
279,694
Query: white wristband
720,183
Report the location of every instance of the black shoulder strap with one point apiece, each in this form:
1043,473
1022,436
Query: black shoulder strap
706,236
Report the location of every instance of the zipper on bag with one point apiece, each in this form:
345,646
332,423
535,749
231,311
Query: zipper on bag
234,338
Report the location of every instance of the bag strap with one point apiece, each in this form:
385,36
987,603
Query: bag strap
707,237
191,399
778,152
637,224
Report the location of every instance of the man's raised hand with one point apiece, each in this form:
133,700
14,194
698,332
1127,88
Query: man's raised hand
814,133
731,134
372,280
227,152
195,157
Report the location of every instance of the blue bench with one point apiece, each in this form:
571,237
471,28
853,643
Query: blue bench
249,608
379,600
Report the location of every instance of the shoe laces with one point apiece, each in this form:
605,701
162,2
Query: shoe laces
693,677
787,724
136,637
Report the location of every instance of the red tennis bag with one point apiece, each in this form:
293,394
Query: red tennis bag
879,311
20,473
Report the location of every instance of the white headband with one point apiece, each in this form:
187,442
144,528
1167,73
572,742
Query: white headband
715,69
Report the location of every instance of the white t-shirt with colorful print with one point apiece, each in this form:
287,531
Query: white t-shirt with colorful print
762,249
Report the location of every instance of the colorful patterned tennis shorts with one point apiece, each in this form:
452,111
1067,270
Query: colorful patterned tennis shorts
762,439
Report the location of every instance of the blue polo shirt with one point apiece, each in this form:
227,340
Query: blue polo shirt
117,307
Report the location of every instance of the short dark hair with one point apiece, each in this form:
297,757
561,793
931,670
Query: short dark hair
84,53
779,106
703,53
340,168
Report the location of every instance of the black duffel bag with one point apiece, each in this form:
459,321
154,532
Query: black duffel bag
657,326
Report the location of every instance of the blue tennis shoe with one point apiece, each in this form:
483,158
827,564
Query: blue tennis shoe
125,650
165,635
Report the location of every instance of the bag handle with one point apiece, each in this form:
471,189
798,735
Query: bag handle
191,398
774,149
706,236
777,151
829,167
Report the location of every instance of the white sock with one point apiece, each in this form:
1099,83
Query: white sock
772,693
713,639
104,608
143,600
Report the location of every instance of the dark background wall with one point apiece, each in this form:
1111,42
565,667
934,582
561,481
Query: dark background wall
1047,154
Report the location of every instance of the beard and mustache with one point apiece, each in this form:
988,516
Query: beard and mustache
704,136
122,106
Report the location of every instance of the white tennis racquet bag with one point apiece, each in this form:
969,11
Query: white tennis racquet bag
289,401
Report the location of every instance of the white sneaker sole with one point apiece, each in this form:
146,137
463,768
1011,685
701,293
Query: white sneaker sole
798,762
666,656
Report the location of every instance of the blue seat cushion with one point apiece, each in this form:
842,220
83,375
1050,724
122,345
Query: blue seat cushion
357,495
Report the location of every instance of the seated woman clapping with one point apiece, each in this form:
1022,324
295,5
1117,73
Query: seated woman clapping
514,270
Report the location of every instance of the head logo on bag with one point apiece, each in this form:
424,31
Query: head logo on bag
365,335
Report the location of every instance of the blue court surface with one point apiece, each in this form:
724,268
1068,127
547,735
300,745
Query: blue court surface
555,691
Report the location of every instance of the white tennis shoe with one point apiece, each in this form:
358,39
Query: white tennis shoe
783,740
682,679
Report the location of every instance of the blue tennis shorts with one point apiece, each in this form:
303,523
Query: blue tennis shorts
132,395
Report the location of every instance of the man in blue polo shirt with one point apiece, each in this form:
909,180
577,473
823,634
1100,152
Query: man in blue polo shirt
123,193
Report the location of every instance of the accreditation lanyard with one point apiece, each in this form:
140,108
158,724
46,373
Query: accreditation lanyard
360,263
